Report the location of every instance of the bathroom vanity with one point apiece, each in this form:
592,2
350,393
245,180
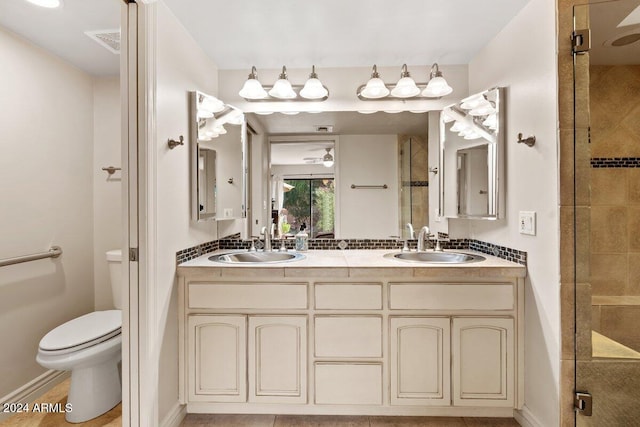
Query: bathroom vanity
352,332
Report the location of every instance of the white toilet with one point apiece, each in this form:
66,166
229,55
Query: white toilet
90,346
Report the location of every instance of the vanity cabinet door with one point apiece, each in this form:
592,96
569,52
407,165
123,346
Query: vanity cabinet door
420,361
217,358
278,359
483,361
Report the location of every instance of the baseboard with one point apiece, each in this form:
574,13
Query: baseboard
33,389
526,418
175,416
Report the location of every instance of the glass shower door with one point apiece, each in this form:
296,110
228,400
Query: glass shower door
607,206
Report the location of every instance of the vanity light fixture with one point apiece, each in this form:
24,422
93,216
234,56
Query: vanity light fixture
437,85
327,159
252,88
313,88
208,106
483,108
406,88
283,90
375,87
282,87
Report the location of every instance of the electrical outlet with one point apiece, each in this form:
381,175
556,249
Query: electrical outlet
527,223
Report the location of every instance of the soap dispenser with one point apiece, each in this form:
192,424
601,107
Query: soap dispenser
302,239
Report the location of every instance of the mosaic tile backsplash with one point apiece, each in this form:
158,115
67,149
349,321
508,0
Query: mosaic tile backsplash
236,243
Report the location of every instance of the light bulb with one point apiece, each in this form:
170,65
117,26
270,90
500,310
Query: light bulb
252,88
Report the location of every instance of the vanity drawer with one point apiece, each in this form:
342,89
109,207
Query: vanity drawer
451,296
348,383
348,296
348,336
248,295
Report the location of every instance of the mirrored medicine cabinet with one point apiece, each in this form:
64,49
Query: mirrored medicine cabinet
471,157
218,150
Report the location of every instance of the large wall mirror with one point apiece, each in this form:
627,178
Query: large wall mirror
377,184
217,136
471,157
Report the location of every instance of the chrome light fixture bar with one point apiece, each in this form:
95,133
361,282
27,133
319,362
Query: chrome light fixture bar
406,88
282,90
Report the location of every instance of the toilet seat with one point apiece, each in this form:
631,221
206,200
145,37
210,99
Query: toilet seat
82,332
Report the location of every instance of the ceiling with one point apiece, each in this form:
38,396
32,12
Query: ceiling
605,19
339,33
61,31
344,123
272,33
327,33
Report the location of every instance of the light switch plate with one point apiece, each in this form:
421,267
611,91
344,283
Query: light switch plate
527,223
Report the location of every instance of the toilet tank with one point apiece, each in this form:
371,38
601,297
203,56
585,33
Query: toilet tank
114,260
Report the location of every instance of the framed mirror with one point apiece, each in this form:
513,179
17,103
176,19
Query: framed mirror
471,157
217,139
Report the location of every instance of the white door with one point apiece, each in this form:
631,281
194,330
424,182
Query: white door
420,360
130,205
483,361
217,358
278,359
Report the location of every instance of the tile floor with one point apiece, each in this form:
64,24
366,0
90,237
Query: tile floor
113,418
201,420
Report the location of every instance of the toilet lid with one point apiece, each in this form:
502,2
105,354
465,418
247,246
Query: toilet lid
83,331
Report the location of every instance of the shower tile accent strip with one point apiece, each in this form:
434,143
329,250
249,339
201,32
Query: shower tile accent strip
415,183
615,162
503,252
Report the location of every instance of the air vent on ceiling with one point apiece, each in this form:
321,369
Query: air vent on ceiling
324,128
109,39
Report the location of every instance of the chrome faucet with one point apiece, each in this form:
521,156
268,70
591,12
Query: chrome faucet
422,237
267,238
412,234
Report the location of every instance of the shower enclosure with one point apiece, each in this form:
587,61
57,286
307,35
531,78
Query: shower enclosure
607,212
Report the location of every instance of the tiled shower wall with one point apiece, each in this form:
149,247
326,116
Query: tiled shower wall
607,380
615,199
615,179
418,185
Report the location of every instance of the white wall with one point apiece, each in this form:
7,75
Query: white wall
529,74
180,65
367,212
107,191
46,167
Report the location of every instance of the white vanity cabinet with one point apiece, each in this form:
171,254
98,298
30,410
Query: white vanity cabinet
397,341
229,355
277,359
483,362
217,358
419,360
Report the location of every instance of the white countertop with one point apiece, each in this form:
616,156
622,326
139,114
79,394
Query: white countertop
355,262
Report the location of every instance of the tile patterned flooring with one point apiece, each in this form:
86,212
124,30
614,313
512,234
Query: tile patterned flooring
113,418
202,420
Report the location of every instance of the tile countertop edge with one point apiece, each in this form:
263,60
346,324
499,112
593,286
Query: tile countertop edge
355,263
